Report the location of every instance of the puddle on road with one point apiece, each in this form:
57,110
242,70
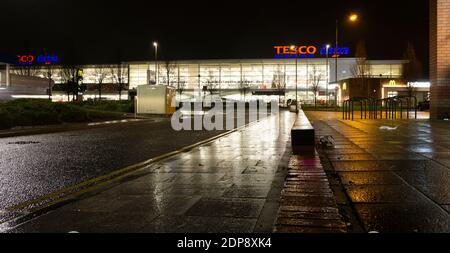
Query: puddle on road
23,142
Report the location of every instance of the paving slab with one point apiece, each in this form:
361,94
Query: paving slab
406,187
307,201
198,224
406,218
370,178
383,194
227,207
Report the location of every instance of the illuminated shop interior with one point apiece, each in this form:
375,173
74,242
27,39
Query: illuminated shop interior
231,79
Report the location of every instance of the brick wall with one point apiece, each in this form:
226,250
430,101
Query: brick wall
440,58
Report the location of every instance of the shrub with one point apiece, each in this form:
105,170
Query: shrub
6,121
98,115
47,117
111,106
73,114
29,112
24,118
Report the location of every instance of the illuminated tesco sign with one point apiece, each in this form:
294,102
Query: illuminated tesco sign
294,50
29,59
308,51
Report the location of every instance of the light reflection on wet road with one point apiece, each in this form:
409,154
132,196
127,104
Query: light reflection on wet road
31,166
229,185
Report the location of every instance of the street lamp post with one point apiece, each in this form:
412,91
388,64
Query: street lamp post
155,45
336,90
296,81
296,85
335,52
328,73
49,76
352,18
7,75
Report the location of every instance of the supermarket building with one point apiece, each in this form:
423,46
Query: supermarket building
237,79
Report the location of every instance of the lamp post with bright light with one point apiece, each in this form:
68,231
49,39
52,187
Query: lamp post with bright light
352,18
328,73
296,81
155,45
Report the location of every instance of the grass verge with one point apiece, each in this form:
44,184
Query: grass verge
35,112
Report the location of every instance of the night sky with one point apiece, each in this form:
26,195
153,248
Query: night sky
110,31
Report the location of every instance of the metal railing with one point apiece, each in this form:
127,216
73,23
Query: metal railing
388,108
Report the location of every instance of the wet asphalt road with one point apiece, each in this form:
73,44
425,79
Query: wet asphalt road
31,166
230,185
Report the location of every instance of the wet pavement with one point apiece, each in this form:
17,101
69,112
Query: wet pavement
394,180
35,165
232,184
307,203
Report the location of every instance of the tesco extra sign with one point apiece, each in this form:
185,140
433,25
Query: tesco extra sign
29,59
308,51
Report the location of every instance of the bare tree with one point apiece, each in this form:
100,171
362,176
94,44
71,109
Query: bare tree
181,85
72,73
100,75
279,81
120,77
69,77
212,83
315,77
72,77
169,69
49,73
362,69
26,70
244,87
412,69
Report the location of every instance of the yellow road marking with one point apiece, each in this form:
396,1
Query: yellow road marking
96,183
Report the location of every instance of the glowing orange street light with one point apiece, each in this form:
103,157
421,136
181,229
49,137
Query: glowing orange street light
353,18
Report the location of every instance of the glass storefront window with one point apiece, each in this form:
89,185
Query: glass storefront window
236,74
